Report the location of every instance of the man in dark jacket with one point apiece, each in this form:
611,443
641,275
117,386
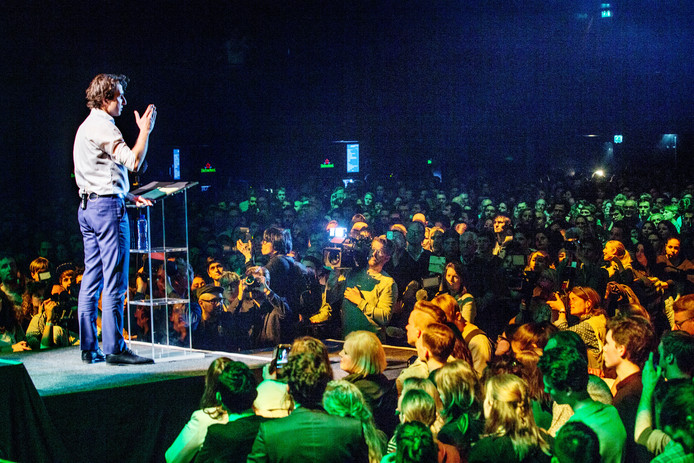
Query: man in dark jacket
309,434
263,318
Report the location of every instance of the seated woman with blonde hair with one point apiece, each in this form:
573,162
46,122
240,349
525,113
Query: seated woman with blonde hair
511,433
364,359
457,384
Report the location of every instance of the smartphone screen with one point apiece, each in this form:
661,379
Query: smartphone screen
436,264
282,355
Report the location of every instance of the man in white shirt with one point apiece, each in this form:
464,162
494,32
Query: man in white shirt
102,160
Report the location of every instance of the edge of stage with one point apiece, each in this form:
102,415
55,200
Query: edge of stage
60,409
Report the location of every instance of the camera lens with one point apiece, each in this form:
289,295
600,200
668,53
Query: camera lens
333,258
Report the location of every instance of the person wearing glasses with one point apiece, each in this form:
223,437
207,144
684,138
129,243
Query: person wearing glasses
211,326
263,318
362,297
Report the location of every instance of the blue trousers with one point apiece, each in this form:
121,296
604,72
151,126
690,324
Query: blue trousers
106,234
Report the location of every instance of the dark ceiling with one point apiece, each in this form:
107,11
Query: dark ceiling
254,85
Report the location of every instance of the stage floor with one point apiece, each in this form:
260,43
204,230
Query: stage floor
109,413
61,371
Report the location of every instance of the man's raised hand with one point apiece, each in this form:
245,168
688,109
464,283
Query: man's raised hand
147,120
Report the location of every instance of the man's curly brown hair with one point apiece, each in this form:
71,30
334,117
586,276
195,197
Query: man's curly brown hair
104,87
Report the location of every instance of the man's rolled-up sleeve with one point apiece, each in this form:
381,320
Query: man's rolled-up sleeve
380,310
112,143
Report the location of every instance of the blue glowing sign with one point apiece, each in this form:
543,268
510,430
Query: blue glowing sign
176,164
353,158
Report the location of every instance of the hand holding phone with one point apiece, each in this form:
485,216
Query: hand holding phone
281,356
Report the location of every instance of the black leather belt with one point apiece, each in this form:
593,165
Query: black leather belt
94,196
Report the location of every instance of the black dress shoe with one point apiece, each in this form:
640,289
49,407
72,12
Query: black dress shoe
93,356
127,357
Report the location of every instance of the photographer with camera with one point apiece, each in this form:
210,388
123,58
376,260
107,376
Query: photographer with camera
539,282
362,294
286,276
583,265
63,294
585,316
263,318
44,330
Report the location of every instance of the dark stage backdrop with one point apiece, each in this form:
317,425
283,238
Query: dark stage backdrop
255,87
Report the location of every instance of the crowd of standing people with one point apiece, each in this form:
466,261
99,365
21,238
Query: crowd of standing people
553,321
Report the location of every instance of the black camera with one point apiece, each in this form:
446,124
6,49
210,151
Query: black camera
66,305
571,245
351,253
522,281
338,257
252,282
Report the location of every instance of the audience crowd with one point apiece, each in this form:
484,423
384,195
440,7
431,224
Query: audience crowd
552,320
